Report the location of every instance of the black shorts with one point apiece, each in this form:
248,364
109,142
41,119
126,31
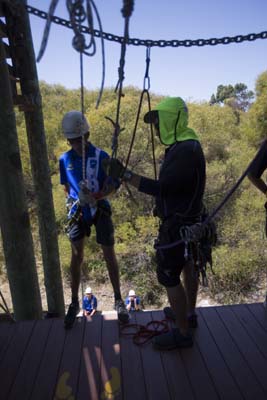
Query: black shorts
170,261
103,226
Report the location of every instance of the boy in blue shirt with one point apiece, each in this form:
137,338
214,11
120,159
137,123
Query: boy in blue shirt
89,303
132,301
86,184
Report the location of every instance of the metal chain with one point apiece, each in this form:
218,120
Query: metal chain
152,43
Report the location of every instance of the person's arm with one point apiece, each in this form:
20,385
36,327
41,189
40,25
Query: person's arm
94,309
258,183
136,304
128,304
84,310
257,168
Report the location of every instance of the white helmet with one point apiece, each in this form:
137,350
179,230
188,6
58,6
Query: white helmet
131,293
88,290
74,125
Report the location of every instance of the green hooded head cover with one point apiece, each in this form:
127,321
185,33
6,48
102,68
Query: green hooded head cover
173,121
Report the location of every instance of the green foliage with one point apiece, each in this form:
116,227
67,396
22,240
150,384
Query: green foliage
238,97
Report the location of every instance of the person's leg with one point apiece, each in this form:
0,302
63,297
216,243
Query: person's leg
113,269
105,237
178,302
76,236
169,267
77,249
191,281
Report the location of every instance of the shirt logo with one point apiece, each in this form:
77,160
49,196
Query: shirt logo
70,167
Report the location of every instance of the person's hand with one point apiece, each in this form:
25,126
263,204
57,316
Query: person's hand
113,167
86,196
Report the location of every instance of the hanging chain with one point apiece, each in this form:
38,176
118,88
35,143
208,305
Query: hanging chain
153,43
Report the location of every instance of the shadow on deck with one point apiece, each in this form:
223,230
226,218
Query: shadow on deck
40,360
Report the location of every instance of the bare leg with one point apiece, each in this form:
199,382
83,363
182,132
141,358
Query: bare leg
75,265
113,268
191,287
177,299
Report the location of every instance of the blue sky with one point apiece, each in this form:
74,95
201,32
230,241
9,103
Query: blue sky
192,73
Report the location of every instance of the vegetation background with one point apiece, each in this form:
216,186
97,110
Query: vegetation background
230,127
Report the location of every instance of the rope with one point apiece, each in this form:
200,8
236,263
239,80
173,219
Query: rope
145,91
78,15
143,334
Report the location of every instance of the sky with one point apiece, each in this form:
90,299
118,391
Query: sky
192,73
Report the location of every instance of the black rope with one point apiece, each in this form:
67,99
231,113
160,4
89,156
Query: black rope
144,92
126,12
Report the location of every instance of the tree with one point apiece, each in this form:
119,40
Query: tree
238,97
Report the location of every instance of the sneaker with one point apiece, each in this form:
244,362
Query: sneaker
192,319
70,317
172,340
123,314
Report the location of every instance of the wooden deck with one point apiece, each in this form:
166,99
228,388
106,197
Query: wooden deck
40,360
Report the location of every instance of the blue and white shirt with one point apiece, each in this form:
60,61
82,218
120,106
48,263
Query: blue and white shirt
89,304
70,167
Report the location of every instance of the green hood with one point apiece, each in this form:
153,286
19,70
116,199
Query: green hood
173,121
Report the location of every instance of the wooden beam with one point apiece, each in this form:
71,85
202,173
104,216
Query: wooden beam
14,217
23,56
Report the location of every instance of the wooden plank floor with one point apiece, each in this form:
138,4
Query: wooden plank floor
40,360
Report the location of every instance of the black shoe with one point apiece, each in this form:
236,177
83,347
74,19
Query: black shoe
70,317
123,314
192,319
172,340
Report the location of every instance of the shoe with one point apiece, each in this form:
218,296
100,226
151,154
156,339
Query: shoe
123,314
172,340
192,319
70,317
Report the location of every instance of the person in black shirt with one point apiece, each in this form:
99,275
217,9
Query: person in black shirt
179,193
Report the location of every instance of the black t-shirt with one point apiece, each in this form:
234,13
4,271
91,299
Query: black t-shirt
181,182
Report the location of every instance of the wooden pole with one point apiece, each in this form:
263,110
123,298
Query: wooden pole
23,51
14,218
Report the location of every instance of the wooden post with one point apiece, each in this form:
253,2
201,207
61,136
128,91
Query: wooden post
18,27
14,218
